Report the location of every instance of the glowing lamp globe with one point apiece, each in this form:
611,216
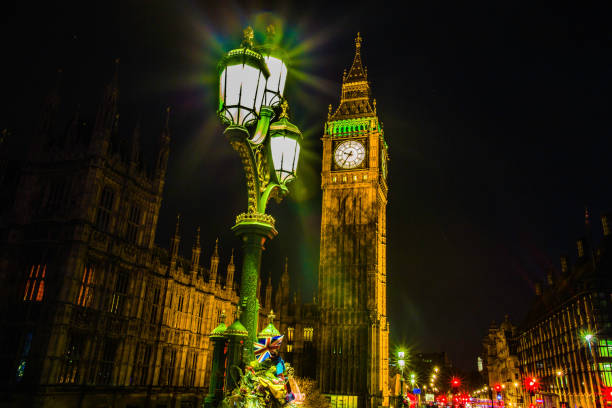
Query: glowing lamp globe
285,140
242,81
276,81
275,59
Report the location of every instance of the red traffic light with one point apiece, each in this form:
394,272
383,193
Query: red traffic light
455,382
531,383
498,387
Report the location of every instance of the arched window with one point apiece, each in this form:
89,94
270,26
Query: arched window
86,291
35,285
105,209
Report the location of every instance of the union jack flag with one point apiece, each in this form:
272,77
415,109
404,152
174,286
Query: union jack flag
264,348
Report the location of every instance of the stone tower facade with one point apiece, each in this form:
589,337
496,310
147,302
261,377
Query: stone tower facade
354,333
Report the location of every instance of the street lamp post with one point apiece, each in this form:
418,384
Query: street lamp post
589,338
251,85
402,363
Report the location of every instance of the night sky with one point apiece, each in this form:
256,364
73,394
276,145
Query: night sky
497,117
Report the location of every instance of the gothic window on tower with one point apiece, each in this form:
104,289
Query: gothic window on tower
289,348
107,362
308,332
120,293
54,199
69,372
198,319
190,369
141,364
133,224
219,316
155,297
290,331
167,366
105,209
35,285
86,291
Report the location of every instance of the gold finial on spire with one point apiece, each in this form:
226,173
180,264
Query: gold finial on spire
197,243
271,316
232,257
329,112
248,37
285,108
358,41
216,252
374,102
167,116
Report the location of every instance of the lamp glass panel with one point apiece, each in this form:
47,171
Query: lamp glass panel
285,154
222,89
241,90
276,81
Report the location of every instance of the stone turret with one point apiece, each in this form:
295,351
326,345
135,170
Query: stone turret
214,263
231,268
174,243
107,117
195,253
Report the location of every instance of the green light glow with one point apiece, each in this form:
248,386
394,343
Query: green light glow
360,125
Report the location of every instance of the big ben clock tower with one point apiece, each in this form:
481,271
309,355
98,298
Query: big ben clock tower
354,337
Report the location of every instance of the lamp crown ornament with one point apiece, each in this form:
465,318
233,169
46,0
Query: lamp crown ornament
248,35
285,109
271,316
270,33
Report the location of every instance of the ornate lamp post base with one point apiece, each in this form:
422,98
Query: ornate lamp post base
254,229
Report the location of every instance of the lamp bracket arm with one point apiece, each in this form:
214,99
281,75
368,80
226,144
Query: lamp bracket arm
278,191
239,142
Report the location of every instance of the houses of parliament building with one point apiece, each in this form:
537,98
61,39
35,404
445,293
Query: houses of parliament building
94,314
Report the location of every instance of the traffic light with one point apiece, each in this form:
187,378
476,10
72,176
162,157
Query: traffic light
455,382
531,384
498,387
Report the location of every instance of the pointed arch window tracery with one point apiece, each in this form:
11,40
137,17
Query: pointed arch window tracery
35,285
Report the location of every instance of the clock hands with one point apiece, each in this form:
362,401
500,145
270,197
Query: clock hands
347,157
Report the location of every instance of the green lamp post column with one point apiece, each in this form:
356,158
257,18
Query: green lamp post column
215,387
251,85
236,335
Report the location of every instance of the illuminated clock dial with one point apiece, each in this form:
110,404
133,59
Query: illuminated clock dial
349,154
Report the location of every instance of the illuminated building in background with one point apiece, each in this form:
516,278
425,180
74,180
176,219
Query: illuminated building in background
353,351
565,342
501,368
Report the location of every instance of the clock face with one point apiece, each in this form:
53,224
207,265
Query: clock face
349,154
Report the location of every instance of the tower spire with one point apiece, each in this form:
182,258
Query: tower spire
214,263
229,282
135,148
195,252
164,151
174,242
355,100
